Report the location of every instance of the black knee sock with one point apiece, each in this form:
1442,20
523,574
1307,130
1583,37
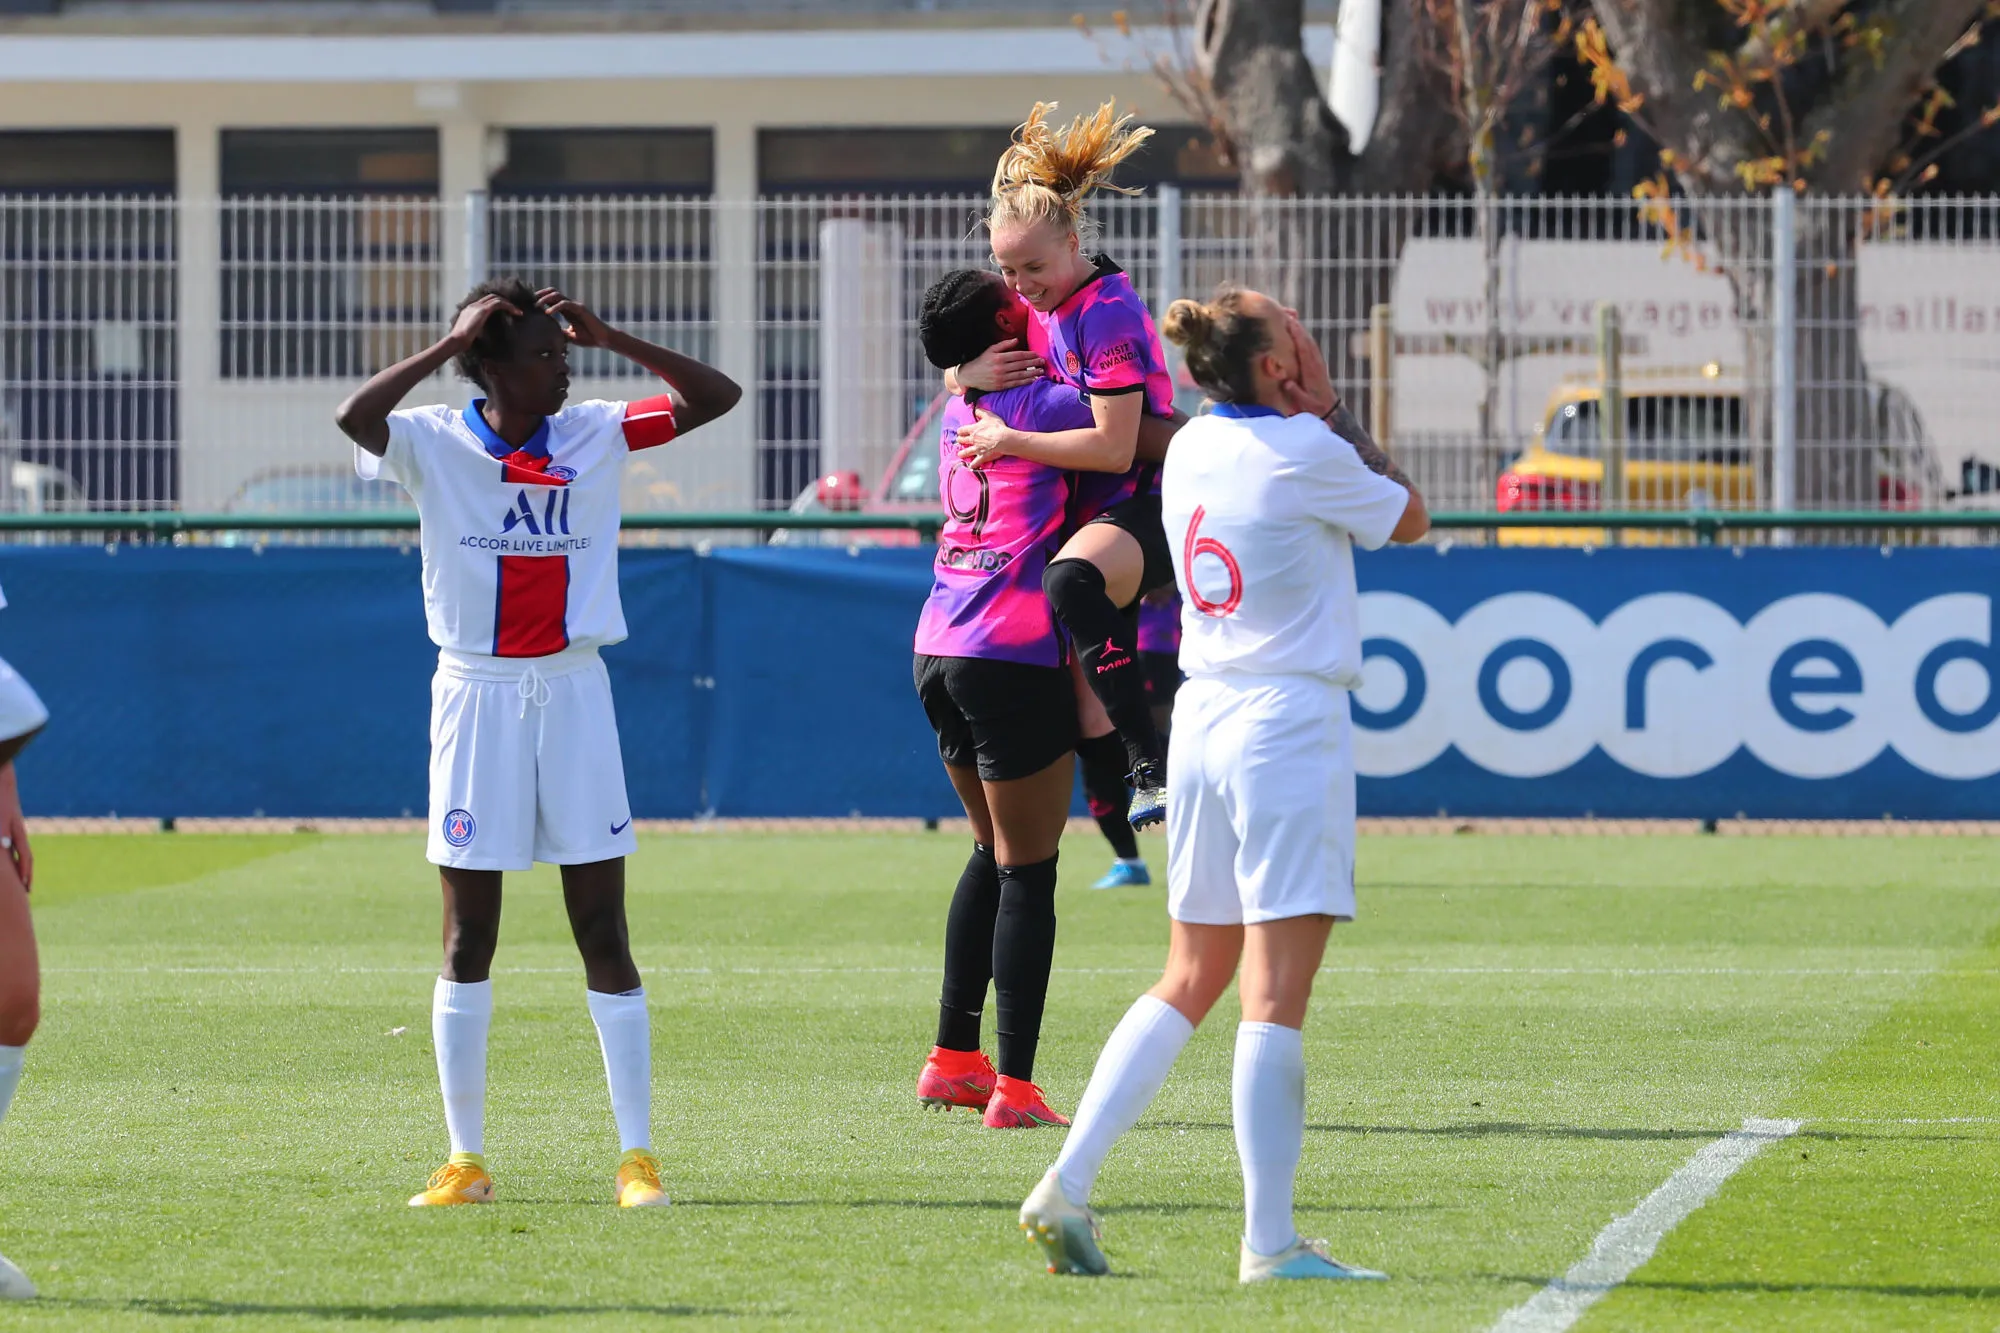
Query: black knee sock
968,951
1109,649
1104,770
1024,944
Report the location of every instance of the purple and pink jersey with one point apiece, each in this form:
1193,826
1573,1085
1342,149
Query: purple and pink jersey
1160,625
1003,523
1102,341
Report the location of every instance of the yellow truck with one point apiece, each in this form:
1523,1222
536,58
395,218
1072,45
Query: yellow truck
1687,448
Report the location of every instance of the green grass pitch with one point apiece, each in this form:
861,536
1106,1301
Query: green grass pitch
233,1094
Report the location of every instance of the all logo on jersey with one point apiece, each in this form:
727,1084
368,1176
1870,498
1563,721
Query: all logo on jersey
460,828
554,519
535,523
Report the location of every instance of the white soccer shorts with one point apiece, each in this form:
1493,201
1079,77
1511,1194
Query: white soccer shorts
21,711
1260,801
525,764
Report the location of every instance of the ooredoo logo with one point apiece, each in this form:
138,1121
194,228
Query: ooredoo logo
1670,685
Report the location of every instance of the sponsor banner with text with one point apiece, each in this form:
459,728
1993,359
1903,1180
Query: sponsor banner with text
1793,683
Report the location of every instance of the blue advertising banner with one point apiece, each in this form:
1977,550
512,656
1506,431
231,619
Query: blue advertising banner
1810,682
1802,683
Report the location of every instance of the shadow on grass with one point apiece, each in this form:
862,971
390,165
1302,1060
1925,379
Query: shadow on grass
425,1313
1012,1205
1483,1129
1911,1291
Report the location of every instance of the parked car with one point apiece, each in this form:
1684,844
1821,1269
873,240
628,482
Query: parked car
1687,448
313,489
37,488
909,485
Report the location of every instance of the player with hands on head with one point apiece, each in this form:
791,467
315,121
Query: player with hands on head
1090,329
1264,503
518,496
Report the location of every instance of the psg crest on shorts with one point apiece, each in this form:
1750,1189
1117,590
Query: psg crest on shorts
459,827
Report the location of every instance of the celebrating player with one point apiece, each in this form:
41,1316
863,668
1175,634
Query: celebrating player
1090,330
1158,632
992,670
1160,651
519,500
1102,765
21,716
1264,503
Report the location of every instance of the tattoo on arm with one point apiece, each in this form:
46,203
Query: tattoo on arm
1373,456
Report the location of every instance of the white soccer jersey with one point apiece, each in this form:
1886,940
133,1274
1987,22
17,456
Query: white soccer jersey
520,545
1261,510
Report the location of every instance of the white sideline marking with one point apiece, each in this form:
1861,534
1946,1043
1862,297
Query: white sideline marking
1630,1240
1099,971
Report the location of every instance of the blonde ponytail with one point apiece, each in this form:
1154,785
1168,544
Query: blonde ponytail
1046,174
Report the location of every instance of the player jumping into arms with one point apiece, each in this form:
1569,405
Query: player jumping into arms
21,716
992,670
518,496
1264,503
1090,330
1158,633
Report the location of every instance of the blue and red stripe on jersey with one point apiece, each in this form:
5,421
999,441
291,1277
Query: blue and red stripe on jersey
531,606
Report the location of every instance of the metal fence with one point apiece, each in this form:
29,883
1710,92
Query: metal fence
188,355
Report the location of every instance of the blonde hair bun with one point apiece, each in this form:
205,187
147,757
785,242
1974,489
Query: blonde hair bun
1188,323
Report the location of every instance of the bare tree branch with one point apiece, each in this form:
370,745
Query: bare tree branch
1800,16
1864,117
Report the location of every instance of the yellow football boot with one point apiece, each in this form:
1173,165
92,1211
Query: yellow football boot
638,1181
463,1179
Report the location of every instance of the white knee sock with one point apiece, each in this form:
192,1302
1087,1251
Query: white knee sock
461,1012
10,1075
1130,1070
1270,1101
626,1039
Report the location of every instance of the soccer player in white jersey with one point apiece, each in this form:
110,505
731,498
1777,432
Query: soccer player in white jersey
21,716
518,496
1263,503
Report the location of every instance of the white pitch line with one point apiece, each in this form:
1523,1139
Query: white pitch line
1630,1240
304,969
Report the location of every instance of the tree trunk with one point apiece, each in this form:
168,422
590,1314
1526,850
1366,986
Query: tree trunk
1838,437
1335,264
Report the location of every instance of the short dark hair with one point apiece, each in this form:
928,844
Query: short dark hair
496,338
959,312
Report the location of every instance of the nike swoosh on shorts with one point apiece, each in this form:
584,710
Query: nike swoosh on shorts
617,829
